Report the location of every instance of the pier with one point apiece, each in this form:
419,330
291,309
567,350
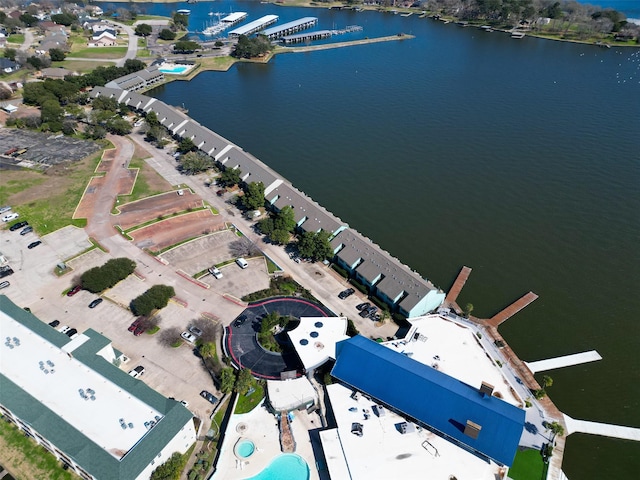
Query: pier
306,37
511,310
329,46
290,27
603,429
564,361
255,26
461,279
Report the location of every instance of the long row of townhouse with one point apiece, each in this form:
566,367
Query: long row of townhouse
387,278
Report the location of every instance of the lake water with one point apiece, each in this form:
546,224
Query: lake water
518,158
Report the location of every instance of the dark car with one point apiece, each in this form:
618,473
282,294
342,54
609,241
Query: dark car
220,193
139,330
5,271
74,290
26,230
4,284
240,320
95,303
362,306
18,225
134,325
54,324
34,244
209,397
346,293
71,332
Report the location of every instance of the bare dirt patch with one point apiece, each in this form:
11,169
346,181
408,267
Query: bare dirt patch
90,197
177,229
147,209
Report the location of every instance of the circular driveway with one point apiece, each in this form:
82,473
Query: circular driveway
241,340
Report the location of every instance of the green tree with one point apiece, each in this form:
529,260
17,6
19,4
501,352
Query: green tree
28,19
547,381
166,34
171,469
227,379
468,309
118,126
155,298
98,279
10,53
285,219
315,246
64,18
186,145
180,21
51,113
280,237
207,349
143,30
556,428
195,162
105,103
56,54
251,47
244,381
253,197
229,177
186,46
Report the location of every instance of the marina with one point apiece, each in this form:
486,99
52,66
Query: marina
223,24
290,27
255,26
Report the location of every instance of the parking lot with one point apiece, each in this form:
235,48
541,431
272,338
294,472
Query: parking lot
201,253
44,149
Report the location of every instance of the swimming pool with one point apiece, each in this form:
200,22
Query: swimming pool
287,465
244,448
176,70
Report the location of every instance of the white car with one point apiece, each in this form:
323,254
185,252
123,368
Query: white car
136,372
6,208
189,337
180,192
215,272
9,217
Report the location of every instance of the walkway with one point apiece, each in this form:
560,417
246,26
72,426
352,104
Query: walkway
461,279
604,429
511,310
564,361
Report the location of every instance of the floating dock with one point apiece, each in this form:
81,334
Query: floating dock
564,361
255,26
604,429
306,37
290,28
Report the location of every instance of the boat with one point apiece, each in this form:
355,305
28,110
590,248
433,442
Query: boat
517,34
184,11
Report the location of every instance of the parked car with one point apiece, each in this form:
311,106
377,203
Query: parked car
346,293
71,333
10,216
180,192
5,271
242,263
54,323
209,397
64,329
34,244
26,230
196,331
6,208
17,226
362,306
95,303
74,290
215,272
240,320
220,193
4,284
137,372
189,337
139,330
134,325
364,313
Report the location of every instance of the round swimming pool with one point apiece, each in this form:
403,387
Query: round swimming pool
244,448
286,465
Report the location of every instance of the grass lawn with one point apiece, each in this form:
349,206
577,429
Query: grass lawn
80,66
148,182
23,458
48,199
16,38
99,52
528,465
247,403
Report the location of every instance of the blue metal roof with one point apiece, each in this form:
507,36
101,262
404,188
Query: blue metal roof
431,397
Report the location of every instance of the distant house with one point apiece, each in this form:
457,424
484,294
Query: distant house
55,73
104,38
8,66
94,10
138,80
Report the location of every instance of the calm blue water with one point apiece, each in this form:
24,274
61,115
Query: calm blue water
519,158
287,466
631,8
245,448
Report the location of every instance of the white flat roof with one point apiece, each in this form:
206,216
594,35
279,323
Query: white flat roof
316,337
254,25
234,17
453,348
286,395
56,379
383,452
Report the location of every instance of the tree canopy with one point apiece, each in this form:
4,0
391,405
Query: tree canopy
229,177
252,47
186,46
57,54
64,18
279,226
171,469
98,279
195,162
315,246
166,34
143,29
253,197
155,298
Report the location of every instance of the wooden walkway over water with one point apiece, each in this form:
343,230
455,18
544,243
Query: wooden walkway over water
511,310
461,279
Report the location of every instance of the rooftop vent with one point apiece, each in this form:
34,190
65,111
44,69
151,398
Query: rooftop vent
486,389
472,429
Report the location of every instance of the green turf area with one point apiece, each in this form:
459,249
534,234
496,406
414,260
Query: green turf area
99,52
247,403
528,465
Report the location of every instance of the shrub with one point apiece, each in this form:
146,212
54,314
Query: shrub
155,298
99,279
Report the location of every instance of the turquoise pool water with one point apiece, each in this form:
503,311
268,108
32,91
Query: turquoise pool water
287,466
176,70
245,448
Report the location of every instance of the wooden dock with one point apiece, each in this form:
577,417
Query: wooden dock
511,310
461,279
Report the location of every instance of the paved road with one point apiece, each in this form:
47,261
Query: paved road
132,49
28,40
